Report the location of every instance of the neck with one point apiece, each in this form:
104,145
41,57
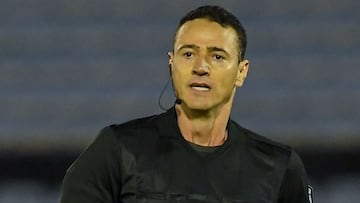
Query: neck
206,128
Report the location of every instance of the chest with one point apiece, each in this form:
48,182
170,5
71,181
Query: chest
177,174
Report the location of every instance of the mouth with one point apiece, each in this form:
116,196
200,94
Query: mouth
200,86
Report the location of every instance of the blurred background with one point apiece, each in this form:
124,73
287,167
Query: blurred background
68,68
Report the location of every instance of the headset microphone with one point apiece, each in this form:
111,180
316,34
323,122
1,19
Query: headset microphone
162,92
178,101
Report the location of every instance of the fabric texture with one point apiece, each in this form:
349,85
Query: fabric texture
148,160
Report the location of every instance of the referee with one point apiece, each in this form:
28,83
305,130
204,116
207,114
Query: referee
194,151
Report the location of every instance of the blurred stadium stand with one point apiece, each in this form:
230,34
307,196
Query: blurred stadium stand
69,68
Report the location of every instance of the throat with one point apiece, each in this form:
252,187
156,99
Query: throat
214,140
202,130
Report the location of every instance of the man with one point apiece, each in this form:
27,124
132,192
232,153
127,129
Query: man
193,152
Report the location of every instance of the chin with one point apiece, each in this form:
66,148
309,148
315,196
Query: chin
199,106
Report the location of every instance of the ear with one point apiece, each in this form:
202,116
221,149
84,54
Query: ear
243,69
171,59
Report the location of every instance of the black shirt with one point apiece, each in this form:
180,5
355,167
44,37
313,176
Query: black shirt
148,160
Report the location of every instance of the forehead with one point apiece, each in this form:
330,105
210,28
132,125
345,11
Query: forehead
203,32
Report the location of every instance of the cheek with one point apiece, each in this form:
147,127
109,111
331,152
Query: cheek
228,78
178,79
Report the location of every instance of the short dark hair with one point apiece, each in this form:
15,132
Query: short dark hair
221,16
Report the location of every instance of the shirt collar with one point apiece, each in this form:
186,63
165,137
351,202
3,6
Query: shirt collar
167,125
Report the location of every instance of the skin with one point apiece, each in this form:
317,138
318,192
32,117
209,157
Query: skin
205,71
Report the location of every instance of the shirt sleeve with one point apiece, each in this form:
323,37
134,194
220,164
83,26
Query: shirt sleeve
94,177
294,187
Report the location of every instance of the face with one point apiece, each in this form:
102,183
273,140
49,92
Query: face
205,65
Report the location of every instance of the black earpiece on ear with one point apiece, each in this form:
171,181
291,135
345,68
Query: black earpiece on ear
170,69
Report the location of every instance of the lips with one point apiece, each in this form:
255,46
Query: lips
200,86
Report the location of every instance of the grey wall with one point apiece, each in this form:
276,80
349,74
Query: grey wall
68,68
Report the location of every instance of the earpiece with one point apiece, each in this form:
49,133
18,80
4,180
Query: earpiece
170,69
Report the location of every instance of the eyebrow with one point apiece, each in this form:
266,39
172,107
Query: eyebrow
188,46
193,46
218,49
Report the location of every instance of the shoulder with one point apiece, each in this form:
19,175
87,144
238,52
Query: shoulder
268,149
132,134
281,156
260,143
271,152
135,125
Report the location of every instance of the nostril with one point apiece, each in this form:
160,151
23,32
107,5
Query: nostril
200,73
201,70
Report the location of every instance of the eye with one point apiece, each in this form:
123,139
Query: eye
188,54
218,57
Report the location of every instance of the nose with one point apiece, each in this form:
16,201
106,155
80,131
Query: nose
201,68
